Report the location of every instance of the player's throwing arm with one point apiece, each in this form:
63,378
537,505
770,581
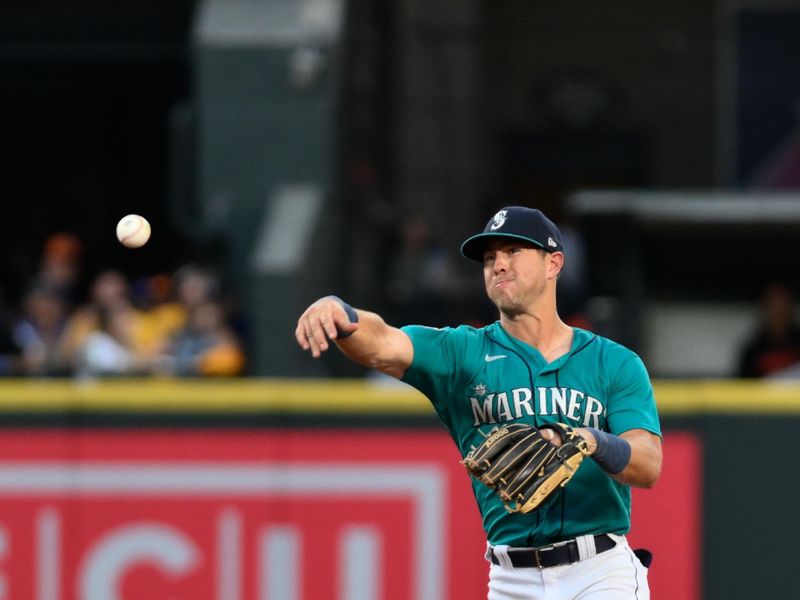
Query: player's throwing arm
363,336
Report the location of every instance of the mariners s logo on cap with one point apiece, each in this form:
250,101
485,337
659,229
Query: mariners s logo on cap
498,220
516,222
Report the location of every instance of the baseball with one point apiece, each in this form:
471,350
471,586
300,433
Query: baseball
133,231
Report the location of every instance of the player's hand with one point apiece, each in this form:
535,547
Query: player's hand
324,320
551,436
555,439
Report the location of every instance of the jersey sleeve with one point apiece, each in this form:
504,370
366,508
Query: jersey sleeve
632,404
439,356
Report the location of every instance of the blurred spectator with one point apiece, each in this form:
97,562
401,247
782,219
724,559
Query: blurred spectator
195,285
149,292
11,362
108,291
161,315
60,265
205,346
775,347
109,348
38,332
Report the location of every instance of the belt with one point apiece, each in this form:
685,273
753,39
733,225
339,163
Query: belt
552,556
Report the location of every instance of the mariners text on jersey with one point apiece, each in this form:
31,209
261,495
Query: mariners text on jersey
577,406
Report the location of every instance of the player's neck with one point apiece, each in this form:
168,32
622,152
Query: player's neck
547,332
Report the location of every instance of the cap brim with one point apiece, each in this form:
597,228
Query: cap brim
473,247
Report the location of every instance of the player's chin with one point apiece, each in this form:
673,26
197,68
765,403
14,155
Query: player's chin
505,303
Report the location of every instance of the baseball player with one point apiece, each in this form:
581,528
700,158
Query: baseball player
528,367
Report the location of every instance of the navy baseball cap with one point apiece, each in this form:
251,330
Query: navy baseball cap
518,222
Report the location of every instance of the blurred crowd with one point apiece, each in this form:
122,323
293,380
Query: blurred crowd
773,348
182,324
174,324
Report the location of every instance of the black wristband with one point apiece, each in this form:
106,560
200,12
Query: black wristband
352,316
612,453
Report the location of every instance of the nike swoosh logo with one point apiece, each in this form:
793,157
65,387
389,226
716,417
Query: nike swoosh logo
492,357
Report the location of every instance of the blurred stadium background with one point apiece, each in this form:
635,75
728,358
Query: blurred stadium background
156,413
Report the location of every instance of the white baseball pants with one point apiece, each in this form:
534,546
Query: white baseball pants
616,574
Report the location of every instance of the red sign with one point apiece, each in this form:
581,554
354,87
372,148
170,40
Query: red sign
250,515
667,520
236,515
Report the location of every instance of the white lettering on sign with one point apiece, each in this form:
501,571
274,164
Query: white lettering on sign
4,553
107,562
280,563
48,540
181,549
360,566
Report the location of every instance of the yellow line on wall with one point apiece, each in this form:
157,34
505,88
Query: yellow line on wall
341,396
241,395
728,396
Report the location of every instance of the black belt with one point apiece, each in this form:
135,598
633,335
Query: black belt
552,556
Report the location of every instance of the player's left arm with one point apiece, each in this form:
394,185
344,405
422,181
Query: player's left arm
644,465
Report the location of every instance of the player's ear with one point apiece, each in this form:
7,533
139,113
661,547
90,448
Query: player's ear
555,263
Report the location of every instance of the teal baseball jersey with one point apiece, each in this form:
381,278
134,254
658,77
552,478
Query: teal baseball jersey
477,379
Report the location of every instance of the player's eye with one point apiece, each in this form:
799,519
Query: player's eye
488,257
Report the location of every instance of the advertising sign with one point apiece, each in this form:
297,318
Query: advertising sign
234,514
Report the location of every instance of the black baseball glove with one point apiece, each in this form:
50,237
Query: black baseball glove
523,467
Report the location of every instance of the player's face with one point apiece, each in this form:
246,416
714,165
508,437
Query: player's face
515,274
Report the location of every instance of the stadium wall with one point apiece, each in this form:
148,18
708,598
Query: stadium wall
252,488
